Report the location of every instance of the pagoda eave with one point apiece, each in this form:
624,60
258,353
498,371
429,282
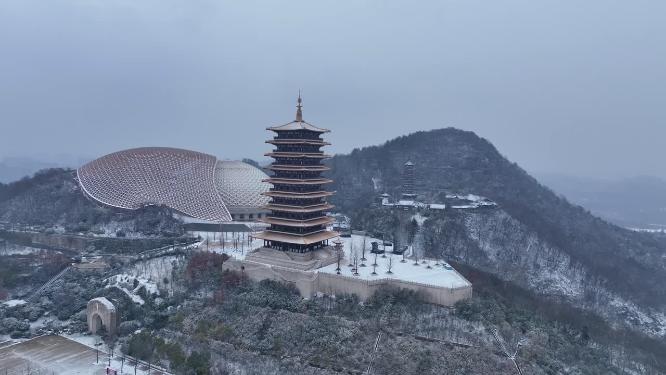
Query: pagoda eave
298,223
297,142
310,155
296,239
299,209
299,124
289,194
299,168
293,181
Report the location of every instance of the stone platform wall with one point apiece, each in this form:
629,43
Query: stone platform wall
308,283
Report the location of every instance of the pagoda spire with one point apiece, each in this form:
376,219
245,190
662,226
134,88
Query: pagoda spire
299,110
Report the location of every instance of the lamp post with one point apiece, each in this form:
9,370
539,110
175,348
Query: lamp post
338,254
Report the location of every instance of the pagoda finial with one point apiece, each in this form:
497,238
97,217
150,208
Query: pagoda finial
299,110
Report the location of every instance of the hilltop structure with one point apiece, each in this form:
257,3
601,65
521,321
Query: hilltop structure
298,206
408,192
296,245
195,185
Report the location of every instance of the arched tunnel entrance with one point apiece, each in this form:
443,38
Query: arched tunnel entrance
102,314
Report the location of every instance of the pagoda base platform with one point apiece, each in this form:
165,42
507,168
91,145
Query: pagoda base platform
299,261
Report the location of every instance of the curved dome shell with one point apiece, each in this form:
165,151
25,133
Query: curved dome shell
181,179
241,185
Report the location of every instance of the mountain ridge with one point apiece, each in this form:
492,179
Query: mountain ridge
450,160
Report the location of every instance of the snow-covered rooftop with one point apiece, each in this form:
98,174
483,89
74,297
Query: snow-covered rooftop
105,302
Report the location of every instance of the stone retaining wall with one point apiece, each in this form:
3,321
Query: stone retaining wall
308,283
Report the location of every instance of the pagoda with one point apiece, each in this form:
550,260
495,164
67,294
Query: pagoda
408,192
298,205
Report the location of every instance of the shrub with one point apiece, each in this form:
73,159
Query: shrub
205,268
199,362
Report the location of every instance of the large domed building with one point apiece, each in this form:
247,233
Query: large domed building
196,185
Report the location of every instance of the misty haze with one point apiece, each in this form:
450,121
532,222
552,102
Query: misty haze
363,187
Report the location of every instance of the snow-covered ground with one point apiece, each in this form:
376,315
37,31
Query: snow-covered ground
67,355
157,270
125,282
428,271
475,201
420,219
236,249
213,241
648,230
431,272
13,249
14,302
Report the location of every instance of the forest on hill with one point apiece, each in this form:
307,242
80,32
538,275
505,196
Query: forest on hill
534,238
51,199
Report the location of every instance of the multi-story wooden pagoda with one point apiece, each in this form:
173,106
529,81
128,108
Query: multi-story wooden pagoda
298,206
408,192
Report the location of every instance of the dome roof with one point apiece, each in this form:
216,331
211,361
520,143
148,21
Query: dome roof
241,185
192,183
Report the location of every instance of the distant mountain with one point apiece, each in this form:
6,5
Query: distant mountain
637,202
51,198
534,238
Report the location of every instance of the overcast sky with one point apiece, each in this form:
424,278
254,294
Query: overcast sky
576,87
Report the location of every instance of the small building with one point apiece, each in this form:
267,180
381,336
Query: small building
91,265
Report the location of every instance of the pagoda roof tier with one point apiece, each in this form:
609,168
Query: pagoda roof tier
297,223
300,209
284,167
285,141
296,181
296,239
289,194
311,155
298,125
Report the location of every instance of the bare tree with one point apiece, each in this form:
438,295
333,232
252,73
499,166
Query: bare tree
511,356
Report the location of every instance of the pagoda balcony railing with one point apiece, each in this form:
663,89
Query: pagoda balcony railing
298,175
297,161
296,189
287,167
298,202
287,134
297,230
277,141
313,155
295,216
298,148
